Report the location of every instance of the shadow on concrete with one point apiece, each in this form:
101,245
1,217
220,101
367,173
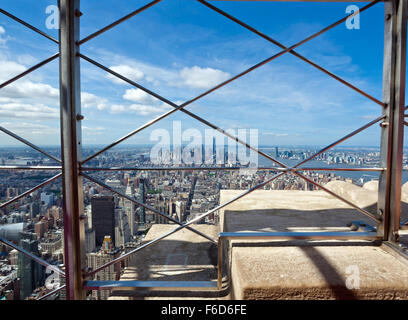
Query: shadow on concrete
332,277
172,260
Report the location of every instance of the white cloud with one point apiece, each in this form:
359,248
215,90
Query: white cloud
25,128
89,100
140,109
117,108
31,90
128,71
9,69
197,77
3,37
146,110
93,131
26,59
139,96
36,111
274,134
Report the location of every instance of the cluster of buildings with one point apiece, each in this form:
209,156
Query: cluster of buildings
115,225
350,156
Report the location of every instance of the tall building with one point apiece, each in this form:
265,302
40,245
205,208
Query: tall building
96,259
29,271
89,240
142,198
34,209
275,153
214,151
48,199
103,218
122,231
130,210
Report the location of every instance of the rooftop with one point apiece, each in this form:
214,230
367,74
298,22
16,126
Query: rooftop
276,269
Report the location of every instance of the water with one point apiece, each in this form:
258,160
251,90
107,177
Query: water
355,175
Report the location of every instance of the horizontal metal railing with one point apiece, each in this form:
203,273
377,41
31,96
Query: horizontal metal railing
281,170
336,235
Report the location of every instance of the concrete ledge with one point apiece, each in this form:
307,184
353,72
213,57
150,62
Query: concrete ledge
262,269
317,271
183,256
265,269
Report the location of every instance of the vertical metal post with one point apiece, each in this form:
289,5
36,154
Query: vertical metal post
392,133
220,262
70,105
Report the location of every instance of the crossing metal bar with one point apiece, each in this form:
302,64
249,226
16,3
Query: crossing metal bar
243,24
130,15
177,107
33,257
28,25
391,143
52,292
339,169
341,140
172,168
217,86
5,204
28,143
200,217
164,115
216,169
35,67
146,206
368,214
40,168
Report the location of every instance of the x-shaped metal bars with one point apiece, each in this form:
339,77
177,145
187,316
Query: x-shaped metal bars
283,169
181,107
15,136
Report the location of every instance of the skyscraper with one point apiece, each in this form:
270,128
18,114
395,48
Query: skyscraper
129,210
29,271
214,151
275,153
122,232
142,198
103,218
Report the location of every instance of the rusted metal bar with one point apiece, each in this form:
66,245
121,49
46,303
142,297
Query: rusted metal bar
146,206
5,204
28,143
28,25
114,24
248,27
35,67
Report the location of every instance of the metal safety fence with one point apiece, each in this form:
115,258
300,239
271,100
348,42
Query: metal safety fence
72,167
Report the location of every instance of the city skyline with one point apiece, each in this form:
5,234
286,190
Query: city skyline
289,126
193,56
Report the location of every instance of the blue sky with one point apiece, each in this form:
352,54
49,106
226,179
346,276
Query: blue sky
179,49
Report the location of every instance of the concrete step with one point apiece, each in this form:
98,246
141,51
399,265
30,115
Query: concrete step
317,270
304,269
